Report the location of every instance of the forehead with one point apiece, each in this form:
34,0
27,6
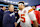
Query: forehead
33,6
11,5
19,5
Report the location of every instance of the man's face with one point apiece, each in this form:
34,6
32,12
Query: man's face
34,7
11,8
20,7
4,8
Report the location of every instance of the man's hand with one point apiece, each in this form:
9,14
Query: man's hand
35,24
15,24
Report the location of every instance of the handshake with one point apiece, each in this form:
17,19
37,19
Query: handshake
19,20
15,24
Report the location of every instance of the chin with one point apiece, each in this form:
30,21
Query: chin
20,8
11,11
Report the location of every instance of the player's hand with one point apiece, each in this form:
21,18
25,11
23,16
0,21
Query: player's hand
15,24
20,20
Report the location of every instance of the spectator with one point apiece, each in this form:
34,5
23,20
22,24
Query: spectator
1,15
33,7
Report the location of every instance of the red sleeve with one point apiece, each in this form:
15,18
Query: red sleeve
36,13
39,18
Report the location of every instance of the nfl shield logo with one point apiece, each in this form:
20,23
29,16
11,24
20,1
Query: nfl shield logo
25,11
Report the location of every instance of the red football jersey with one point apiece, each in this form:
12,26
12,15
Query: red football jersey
39,17
37,13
